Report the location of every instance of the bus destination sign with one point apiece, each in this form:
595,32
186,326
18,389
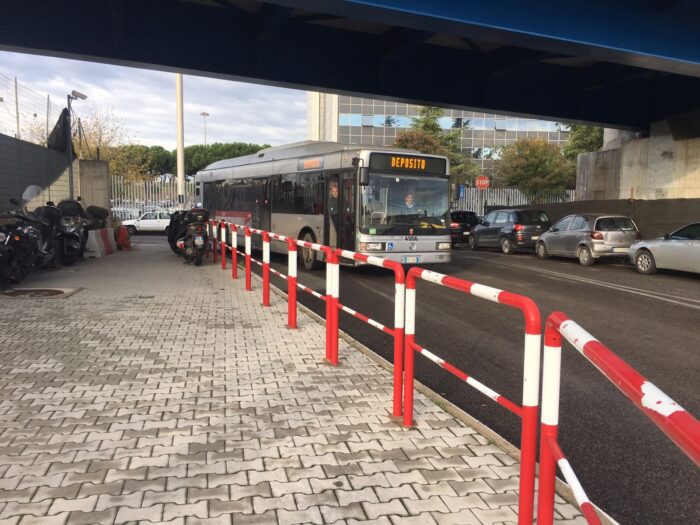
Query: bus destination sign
407,163
310,164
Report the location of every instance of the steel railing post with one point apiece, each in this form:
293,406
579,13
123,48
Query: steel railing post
233,231
222,231
551,375
399,316
248,249
408,350
266,268
292,283
214,240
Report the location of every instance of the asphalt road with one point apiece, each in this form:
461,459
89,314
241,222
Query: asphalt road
626,465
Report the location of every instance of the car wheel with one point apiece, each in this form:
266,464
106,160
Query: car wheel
473,243
131,230
644,262
585,257
507,246
541,250
307,255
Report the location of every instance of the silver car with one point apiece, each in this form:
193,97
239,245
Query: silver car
679,250
588,236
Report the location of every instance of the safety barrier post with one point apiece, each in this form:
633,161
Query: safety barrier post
549,427
222,231
399,319
332,289
210,239
233,232
215,239
266,268
531,370
248,250
292,283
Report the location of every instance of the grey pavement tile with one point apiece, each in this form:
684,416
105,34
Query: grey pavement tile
214,412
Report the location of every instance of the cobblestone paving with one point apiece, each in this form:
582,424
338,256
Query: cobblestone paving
165,393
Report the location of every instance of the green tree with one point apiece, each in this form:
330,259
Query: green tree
582,139
160,161
427,136
199,156
534,166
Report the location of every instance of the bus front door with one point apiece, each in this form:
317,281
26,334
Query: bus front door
346,211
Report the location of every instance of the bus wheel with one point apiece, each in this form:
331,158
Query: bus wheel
307,256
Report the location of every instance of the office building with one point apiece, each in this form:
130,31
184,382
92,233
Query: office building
370,122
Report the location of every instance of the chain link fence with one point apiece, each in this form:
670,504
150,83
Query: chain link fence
24,113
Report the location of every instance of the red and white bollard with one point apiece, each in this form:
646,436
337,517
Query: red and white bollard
292,283
222,231
332,289
214,239
233,233
266,268
399,315
248,250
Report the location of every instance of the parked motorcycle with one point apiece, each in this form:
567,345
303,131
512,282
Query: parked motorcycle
26,239
187,234
74,227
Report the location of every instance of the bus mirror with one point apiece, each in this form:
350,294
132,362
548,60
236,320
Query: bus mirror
363,176
287,185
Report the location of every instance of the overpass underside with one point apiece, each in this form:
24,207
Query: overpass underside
615,63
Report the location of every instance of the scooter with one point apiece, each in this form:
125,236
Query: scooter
188,236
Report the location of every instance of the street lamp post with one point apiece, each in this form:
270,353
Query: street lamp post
74,95
205,115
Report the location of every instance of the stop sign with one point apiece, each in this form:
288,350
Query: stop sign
482,182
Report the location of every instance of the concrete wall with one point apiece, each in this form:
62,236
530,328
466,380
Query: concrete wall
657,167
653,217
23,163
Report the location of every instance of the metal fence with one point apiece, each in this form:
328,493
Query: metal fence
26,114
131,198
477,200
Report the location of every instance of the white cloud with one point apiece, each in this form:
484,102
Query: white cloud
145,101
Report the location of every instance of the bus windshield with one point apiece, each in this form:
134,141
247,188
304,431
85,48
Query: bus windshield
394,205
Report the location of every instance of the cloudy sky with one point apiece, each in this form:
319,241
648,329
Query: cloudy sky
144,100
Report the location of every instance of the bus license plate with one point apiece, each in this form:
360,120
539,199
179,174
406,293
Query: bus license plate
534,237
199,240
410,259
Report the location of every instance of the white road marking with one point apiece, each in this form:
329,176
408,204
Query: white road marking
675,299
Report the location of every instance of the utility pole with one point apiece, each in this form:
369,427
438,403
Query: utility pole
180,141
205,115
17,109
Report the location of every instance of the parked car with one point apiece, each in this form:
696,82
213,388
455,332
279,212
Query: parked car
461,225
154,221
509,229
589,236
679,250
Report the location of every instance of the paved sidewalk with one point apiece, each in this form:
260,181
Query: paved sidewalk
162,392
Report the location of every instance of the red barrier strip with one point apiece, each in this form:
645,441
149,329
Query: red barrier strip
495,396
531,369
366,319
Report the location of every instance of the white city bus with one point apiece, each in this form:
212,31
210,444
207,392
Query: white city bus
344,196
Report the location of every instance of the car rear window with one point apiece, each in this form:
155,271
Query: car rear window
606,224
532,217
464,216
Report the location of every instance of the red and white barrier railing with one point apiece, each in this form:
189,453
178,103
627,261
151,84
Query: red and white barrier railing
531,372
399,313
679,425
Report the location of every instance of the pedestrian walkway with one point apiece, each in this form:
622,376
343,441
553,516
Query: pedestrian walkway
161,392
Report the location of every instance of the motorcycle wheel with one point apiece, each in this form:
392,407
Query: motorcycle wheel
198,257
68,258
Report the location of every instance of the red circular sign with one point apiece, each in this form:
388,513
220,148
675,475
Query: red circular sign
482,182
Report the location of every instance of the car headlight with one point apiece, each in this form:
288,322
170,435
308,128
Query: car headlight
443,246
371,246
3,237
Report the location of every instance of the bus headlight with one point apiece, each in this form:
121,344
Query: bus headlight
371,246
443,246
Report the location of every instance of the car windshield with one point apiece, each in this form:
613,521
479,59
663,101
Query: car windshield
606,224
692,231
532,217
397,205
